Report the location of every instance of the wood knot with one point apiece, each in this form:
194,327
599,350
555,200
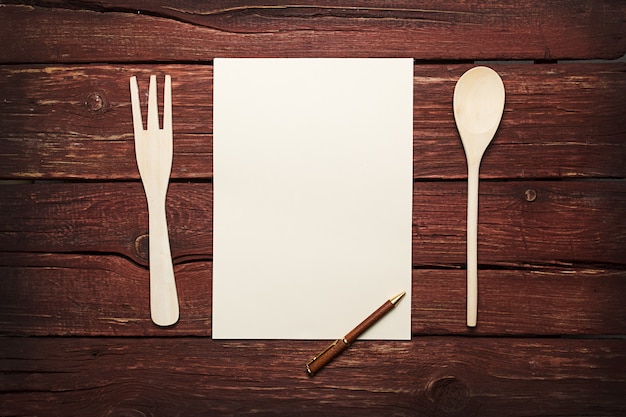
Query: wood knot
142,248
448,394
95,102
530,194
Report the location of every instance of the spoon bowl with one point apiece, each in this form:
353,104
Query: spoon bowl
478,106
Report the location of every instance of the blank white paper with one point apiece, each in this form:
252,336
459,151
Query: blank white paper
313,163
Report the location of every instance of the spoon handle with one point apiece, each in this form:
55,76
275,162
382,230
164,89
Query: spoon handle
472,242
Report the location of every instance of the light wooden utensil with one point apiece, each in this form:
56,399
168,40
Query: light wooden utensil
154,149
478,107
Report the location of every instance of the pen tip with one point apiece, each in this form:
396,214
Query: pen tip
397,298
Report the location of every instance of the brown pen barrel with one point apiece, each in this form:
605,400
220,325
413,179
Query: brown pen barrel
367,323
339,345
326,356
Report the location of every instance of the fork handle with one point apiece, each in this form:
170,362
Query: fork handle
163,296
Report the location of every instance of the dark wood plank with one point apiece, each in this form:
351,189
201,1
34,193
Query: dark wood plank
75,122
106,217
570,223
560,121
132,30
590,227
58,294
435,376
570,301
52,294
69,122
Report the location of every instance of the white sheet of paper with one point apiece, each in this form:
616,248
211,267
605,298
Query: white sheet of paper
313,163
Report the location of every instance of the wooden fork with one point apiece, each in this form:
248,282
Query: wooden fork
154,149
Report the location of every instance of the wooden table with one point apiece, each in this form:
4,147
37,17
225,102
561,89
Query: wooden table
76,337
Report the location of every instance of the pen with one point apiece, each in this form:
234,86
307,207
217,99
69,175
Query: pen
340,345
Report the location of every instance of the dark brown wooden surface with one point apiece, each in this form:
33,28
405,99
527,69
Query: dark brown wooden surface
429,376
75,332
122,31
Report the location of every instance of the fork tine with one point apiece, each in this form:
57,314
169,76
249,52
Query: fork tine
136,107
167,104
153,111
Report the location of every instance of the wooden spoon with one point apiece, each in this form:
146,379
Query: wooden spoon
478,107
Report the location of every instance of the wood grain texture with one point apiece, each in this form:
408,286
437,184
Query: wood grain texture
74,122
100,295
75,332
111,217
48,294
426,377
123,31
